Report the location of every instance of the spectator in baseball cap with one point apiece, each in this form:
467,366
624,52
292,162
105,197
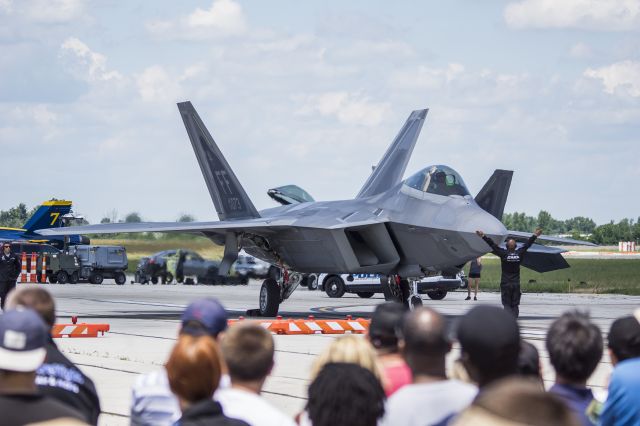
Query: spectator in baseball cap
490,344
57,377
22,350
623,402
152,400
384,329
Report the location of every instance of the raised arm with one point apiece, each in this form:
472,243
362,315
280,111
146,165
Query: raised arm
530,241
494,247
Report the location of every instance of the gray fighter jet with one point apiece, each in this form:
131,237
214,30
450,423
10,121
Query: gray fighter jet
401,229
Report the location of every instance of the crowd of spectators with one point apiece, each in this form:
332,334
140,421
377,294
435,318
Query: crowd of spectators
397,375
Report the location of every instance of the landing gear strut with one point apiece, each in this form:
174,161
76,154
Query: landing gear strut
399,290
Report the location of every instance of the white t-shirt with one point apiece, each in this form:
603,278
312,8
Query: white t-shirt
250,407
428,403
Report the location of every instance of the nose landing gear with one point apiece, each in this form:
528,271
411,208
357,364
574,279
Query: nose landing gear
401,290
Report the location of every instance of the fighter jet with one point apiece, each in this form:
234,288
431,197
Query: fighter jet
50,214
401,229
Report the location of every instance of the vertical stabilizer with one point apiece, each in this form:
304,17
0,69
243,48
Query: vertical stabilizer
48,215
391,167
229,198
493,195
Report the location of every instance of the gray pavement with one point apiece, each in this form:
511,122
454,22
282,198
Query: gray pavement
145,319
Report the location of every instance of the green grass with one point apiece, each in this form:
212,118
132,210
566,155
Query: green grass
137,248
620,276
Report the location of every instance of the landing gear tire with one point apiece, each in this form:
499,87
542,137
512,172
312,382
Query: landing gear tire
334,287
96,278
120,278
437,294
269,298
365,294
405,292
74,278
390,289
63,277
415,302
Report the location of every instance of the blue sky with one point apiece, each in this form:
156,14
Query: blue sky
312,93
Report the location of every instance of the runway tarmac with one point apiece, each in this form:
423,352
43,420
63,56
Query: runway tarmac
145,319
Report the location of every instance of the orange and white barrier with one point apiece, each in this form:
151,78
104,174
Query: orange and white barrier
78,330
43,273
23,268
627,246
312,325
33,275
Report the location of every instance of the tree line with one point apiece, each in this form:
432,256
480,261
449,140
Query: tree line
578,227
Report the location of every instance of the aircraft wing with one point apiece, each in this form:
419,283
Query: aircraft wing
189,227
544,259
520,236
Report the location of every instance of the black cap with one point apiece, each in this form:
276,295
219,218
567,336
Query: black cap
386,322
490,336
624,338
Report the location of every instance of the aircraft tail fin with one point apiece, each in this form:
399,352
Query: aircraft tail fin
493,195
391,167
229,198
48,215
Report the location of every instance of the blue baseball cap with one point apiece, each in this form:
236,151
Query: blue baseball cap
207,312
23,336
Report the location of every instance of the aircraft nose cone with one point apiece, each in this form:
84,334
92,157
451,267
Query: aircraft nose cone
483,221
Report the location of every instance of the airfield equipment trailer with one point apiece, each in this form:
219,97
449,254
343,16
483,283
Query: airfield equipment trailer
100,262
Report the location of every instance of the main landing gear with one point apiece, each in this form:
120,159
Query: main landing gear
276,290
401,290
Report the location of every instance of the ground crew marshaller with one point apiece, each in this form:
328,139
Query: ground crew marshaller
510,258
9,271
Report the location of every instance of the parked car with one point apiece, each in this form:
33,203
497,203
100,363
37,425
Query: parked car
100,262
251,267
366,285
184,266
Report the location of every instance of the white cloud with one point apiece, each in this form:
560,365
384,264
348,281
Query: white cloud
580,50
87,64
45,11
6,6
348,108
156,85
223,19
426,77
605,15
619,78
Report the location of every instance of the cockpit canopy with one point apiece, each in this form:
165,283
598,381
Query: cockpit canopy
439,180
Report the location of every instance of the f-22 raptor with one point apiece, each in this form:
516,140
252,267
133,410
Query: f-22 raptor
400,229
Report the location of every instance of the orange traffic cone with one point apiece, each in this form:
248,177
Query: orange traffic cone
23,269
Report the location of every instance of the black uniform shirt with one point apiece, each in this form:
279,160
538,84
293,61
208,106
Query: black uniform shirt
9,267
22,409
60,379
207,413
510,260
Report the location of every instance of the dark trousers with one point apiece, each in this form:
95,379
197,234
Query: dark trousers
510,292
5,288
